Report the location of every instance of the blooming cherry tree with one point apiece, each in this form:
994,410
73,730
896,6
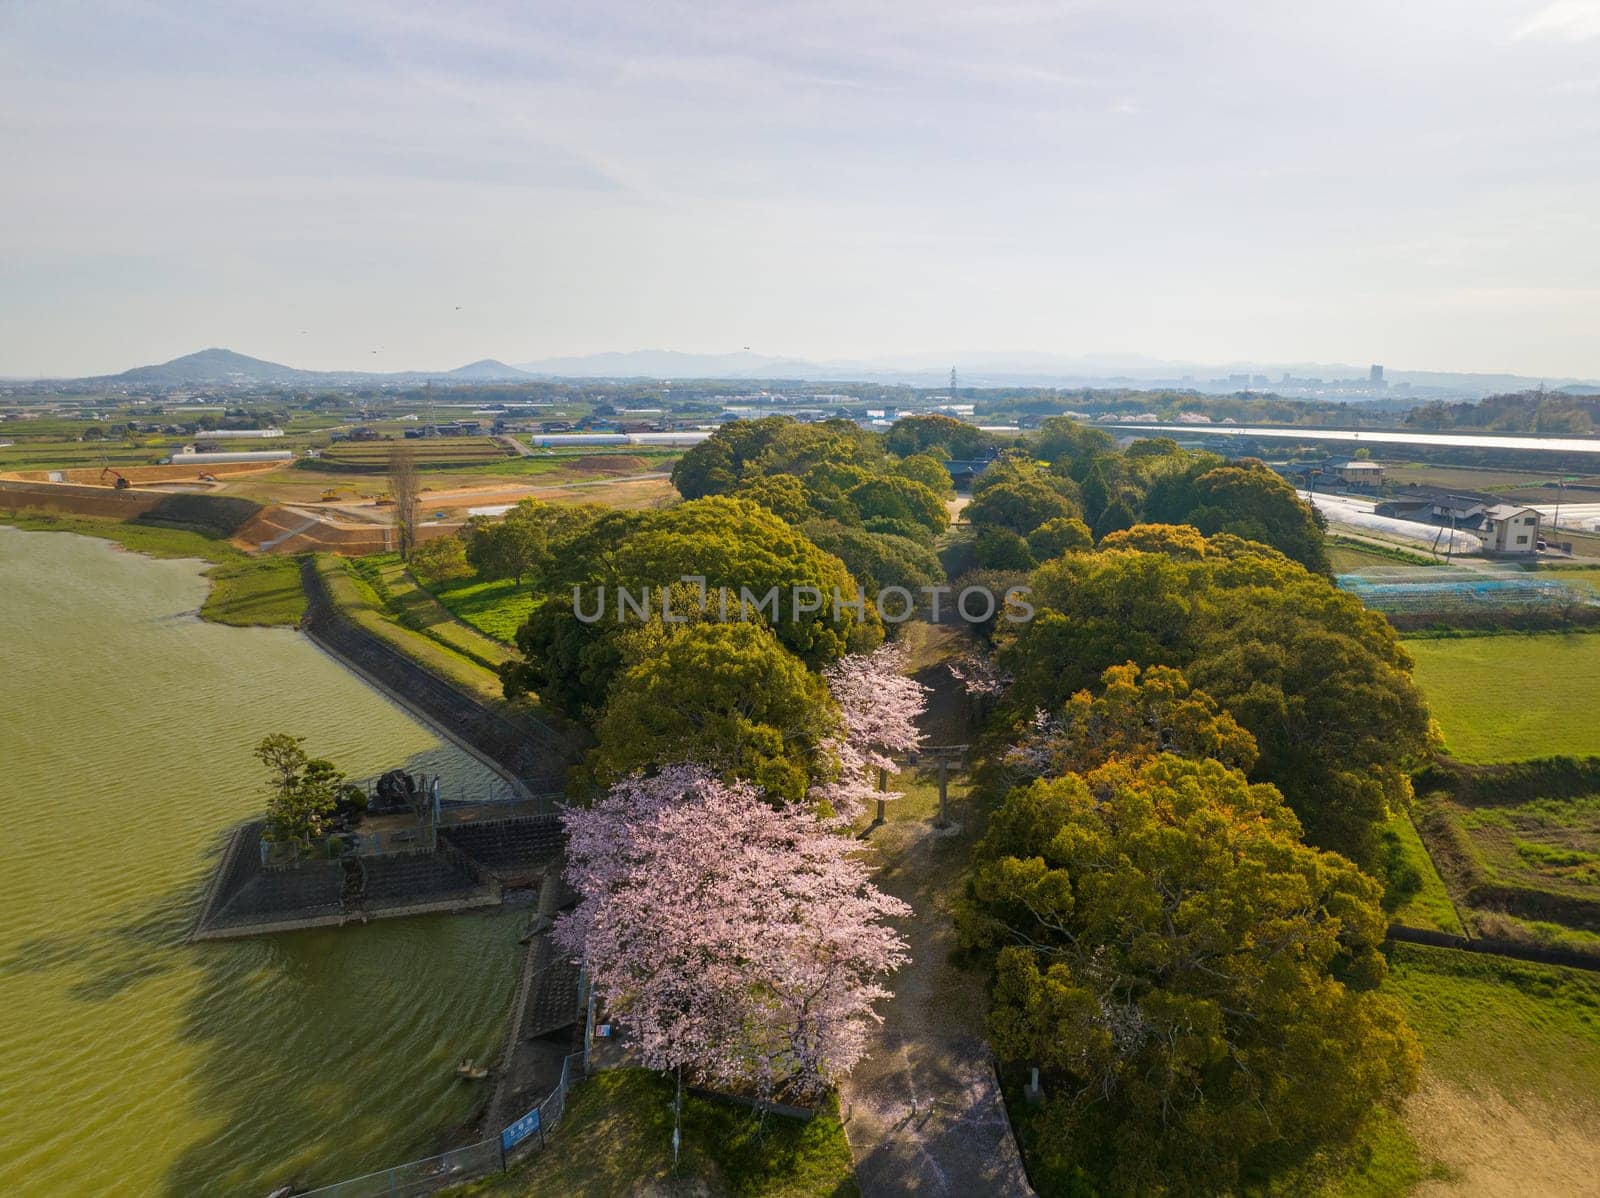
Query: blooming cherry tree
879,707
738,939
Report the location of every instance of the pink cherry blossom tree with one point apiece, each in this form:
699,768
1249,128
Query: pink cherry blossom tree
738,939
879,707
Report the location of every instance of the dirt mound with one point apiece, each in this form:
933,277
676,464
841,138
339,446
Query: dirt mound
607,463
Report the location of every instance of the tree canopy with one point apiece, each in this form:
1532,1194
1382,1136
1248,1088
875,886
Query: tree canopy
726,695
1322,683
736,546
1197,987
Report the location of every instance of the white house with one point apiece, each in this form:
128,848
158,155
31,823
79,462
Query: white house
1510,529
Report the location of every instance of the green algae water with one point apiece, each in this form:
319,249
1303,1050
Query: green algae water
131,1062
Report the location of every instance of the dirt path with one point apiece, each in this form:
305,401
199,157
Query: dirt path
923,1113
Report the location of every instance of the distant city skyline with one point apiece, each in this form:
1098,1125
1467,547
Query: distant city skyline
403,186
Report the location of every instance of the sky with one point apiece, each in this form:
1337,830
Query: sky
1416,184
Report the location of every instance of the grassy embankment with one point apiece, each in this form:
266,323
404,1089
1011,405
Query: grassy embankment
1417,897
245,591
416,609
616,1140
359,600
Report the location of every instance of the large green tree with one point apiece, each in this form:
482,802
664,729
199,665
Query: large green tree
737,547
304,792
1246,498
1322,683
1197,987
728,696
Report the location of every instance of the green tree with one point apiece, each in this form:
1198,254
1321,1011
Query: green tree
900,500
1136,714
440,560
953,438
783,495
1197,987
715,466
728,696
997,548
1062,534
734,545
1322,683
877,560
927,470
529,539
1020,504
1245,498
303,792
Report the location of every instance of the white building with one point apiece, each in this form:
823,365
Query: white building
1510,529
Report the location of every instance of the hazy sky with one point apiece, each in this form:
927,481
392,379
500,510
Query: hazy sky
1414,183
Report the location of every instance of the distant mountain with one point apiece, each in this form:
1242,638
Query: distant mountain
215,366
665,363
485,370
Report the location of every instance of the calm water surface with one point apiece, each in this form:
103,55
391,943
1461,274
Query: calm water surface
131,1063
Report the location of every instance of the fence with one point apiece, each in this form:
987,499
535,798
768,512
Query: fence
1444,592
417,1178
523,1134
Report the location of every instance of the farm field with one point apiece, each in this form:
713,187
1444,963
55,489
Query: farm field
1469,478
1546,844
1510,1094
434,452
1349,558
1513,697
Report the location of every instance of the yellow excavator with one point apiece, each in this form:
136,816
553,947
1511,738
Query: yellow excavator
121,480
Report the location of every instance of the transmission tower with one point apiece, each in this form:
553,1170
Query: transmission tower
952,384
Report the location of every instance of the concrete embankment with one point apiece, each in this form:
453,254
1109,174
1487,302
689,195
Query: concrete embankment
532,753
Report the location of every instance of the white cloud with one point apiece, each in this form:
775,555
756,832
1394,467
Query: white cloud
1568,20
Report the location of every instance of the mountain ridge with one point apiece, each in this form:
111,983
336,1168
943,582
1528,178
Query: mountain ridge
220,366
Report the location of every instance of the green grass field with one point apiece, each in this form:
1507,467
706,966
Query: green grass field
361,603
420,611
153,540
496,609
615,1140
1417,897
1513,697
1509,1025
255,592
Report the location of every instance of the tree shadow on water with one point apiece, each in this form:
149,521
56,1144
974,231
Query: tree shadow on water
314,1056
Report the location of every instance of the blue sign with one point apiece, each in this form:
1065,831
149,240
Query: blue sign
520,1130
